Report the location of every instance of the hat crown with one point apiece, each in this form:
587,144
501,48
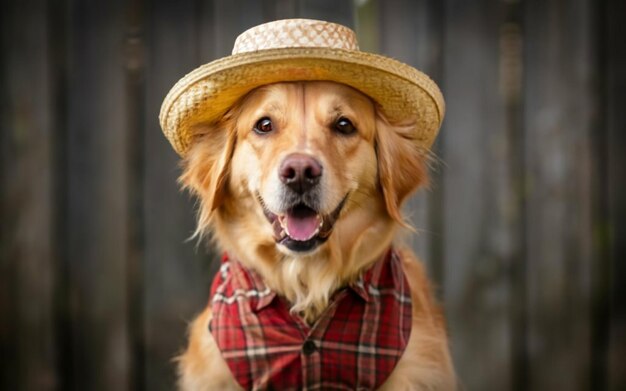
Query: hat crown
291,33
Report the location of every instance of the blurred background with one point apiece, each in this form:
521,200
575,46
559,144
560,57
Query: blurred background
522,229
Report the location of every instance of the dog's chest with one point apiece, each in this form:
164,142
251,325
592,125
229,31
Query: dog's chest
355,344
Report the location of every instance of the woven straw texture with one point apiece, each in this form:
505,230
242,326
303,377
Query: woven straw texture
296,33
300,50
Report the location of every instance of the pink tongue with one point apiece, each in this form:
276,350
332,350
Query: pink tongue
302,227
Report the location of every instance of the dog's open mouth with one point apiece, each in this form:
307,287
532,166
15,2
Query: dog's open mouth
301,223
301,228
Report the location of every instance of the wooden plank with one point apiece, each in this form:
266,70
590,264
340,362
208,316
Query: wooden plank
605,374
134,56
559,107
280,9
230,22
338,11
367,25
58,40
26,250
412,32
480,206
615,85
96,198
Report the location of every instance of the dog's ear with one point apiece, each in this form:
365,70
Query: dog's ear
401,164
206,167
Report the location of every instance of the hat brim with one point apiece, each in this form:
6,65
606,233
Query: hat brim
207,93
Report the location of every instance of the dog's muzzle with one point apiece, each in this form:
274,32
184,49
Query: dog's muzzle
301,227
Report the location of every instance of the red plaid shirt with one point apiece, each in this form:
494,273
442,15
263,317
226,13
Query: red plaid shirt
354,345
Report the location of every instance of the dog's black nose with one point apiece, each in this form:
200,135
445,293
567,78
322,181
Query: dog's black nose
300,172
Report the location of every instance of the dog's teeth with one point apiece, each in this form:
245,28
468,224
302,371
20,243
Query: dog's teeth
281,220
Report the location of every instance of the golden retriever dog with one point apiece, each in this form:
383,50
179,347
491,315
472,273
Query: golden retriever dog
303,182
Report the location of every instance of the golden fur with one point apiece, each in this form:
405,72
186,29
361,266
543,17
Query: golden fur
230,169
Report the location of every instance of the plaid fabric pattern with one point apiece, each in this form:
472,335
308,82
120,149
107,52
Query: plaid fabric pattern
354,345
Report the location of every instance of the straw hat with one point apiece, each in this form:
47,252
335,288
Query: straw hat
300,50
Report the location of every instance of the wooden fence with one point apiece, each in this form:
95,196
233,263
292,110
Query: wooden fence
520,230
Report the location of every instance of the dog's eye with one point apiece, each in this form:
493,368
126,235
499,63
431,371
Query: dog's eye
263,126
344,126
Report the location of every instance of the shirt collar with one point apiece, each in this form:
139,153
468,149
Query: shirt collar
360,288
259,294
370,278
265,294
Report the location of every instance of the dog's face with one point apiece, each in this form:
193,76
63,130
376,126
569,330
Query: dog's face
303,150
294,162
